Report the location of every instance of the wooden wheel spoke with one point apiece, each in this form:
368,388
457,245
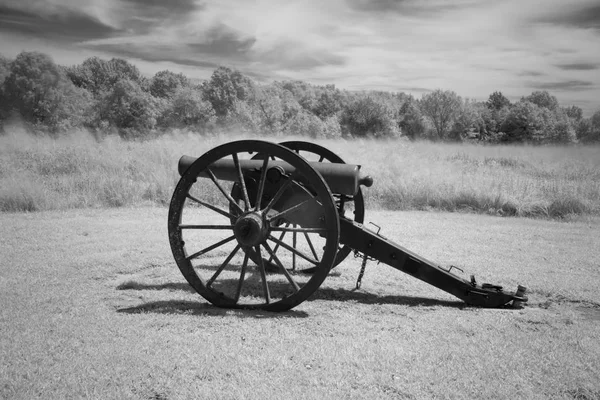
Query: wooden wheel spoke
238,292
188,226
293,250
238,168
289,210
278,195
294,245
280,238
263,275
312,248
213,178
298,230
210,206
281,267
222,267
209,248
261,184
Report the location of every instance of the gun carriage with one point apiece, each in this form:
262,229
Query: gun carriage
254,224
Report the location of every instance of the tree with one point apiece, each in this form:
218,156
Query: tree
527,122
368,117
128,108
411,120
165,83
562,128
497,101
188,109
468,122
329,103
591,132
574,112
542,99
225,88
4,68
41,93
492,123
442,108
4,72
99,76
304,93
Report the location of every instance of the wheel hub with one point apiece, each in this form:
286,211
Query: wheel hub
250,229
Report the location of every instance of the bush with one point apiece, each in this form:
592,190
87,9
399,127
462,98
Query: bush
129,109
40,92
367,117
442,108
411,120
187,108
526,122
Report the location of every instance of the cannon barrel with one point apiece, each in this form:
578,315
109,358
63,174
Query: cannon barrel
341,178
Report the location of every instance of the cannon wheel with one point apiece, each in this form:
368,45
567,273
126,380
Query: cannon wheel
206,237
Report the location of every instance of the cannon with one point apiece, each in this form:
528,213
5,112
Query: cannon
258,225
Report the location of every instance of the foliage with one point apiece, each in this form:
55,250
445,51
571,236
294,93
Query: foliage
112,95
366,116
129,109
442,109
469,122
225,88
574,112
526,122
99,76
411,120
589,130
39,91
165,83
4,68
187,108
542,99
493,119
497,101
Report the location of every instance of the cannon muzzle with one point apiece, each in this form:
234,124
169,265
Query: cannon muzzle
341,178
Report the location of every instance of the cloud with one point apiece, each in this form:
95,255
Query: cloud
223,41
584,16
530,73
473,47
143,16
156,53
579,66
57,23
570,85
408,8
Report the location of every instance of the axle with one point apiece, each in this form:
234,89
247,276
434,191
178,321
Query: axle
358,237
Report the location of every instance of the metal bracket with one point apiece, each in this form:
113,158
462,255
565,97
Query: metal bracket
455,267
378,228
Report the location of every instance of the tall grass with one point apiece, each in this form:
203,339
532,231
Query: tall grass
76,170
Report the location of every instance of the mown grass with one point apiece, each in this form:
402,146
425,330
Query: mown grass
77,171
93,306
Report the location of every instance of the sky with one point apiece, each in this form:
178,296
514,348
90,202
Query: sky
473,47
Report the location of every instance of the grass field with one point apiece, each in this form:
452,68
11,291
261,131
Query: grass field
76,171
93,306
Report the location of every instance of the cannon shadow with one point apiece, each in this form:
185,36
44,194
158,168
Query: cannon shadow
322,294
205,309
363,297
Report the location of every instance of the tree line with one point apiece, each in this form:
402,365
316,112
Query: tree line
113,96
